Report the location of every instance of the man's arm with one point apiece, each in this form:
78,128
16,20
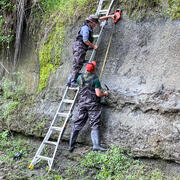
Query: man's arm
106,17
91,45
99,92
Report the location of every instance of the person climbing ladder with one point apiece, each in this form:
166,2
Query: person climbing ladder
84,40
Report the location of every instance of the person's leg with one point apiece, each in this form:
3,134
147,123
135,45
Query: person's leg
94,118
79,54
77,65
73,138
78,125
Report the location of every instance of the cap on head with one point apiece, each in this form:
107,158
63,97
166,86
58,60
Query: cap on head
93,18
90,66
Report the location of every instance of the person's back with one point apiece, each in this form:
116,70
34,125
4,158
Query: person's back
88,83
85,34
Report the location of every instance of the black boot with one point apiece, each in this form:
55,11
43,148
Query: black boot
95,140
69,80
72,140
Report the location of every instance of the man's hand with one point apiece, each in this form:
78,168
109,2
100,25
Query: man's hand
106,93
100,93
95,47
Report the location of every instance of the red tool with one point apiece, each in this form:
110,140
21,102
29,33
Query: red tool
117,15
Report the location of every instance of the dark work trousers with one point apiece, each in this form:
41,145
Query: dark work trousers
91,111
79,53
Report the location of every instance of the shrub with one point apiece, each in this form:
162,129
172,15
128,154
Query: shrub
116,163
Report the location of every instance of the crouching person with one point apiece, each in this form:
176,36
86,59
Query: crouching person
89,107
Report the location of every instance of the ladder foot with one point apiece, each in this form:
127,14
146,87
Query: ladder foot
31,167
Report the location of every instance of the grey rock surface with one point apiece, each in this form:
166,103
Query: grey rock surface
142,112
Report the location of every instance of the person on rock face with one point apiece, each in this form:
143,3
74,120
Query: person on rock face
88,107
84,40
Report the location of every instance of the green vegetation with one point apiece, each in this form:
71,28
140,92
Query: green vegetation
9,146
49,61
114,164
138,9
6,35
174,8
13,89
13,95
9,108
58,14
6,5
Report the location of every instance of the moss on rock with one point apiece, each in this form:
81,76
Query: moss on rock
50,54
58,14
174,8
138,8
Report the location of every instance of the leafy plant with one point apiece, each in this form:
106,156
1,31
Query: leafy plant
9,108
174,8
14,93
6,35
14,89
4,134
6,5
116,163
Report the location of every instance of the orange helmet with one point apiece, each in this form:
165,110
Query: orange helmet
91,66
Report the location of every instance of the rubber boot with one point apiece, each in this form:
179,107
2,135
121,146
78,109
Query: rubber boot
95,140
74,84
72,140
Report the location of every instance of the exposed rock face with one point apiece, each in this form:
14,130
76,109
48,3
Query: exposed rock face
142,71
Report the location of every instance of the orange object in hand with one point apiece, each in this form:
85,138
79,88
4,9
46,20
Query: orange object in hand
117,15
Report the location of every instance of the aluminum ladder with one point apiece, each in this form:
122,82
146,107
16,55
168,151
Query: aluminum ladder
65,114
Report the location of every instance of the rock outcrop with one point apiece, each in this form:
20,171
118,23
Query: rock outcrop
142,112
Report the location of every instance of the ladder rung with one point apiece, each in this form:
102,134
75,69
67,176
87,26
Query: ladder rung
56,128
96,36
103,11
44,158
73,88
51,142
68,101
63,114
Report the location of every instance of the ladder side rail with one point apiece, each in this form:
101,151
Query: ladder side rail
54,120
110,7
36,159
49,130
97,43
72,106
60,104
63,128
43,144
100,34
99,7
